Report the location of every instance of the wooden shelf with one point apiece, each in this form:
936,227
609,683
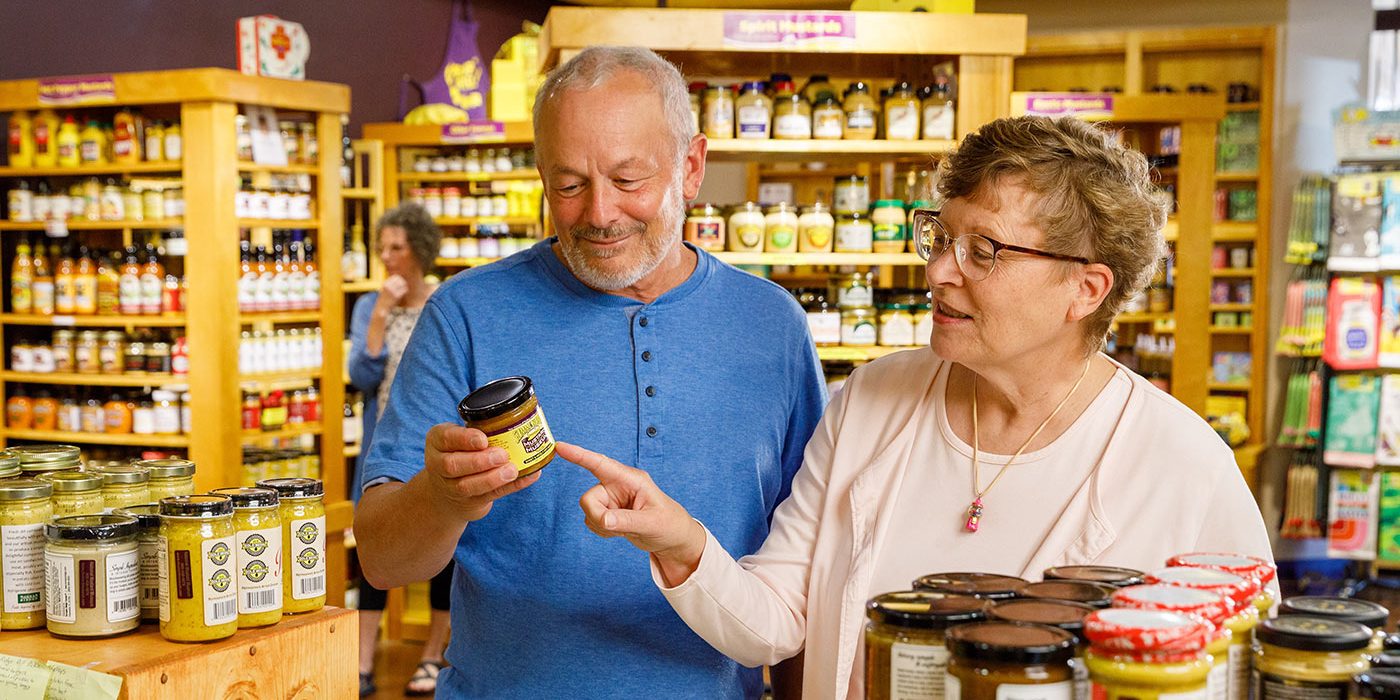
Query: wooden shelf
279,223
845,354
1231,307
528,174
357,193
311,317
286,432
1242,106
289,169
1233,272
1229,330
911,259
464,262
487,220
72,379
1234,232
360,286
810,149
125,440
1232,387
86,225
1250,176
162,321
276,379
83,171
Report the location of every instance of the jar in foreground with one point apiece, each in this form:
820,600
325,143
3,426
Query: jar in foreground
258,531
1240,565
168,477
1243,617
1372,615
1094,594
510,415
1147,655
24,510
905,654
1229,671
1006,660
303,518
198,595
124,486
9,464
977,585
148,557
1303,657
74,493
1063,614
92,567
42,459
1111,575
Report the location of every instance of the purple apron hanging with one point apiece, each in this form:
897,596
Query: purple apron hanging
464,79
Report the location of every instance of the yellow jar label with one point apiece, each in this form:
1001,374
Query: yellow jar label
750,236
527,443
308,558
259,570
917,671
817,236
22,561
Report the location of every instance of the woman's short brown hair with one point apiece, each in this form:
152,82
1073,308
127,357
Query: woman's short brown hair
424,236
1096,197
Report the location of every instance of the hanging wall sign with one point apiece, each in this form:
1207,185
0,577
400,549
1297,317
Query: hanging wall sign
804,30
77,90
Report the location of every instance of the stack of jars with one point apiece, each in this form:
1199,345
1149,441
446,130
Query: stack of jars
262,463
126,412
102,352
280,350
497,200
277,409
286,197
95,200
489,241
476,160
43,140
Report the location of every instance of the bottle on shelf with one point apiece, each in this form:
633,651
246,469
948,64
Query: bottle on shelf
92,144
278,298
247,277
19,409
312,296
152,283
126,142
109,277
129,284
21,140
45,139
262,291
22,279
68,143
296,276
347,152
43,286
84,283
173,144
45,410
21,202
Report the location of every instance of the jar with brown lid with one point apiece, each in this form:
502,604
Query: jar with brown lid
978,585
1111,575
1097,595
1063,614
904,641
1010,661
510,415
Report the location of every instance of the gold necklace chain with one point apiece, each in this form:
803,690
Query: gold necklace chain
974,511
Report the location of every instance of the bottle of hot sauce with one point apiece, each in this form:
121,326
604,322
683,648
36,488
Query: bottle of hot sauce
85,283
129,299
22,279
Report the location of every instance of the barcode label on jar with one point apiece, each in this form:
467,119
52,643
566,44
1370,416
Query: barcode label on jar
223,611
1064,690
22,564
259,570
58,581
220,588
916,671
308,558
123,581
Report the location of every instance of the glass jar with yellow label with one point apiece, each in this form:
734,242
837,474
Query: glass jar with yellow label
9,464
828,119
92,577
1303,657
815,229
75,493
902,113
1242,617
887,221
977,585
169,477
1372,615
24,510
42,459
198,593
850,194
904,641
1063,614
1009,660
860,112
1226,681
792,117
746,228
508,412
1240,565
704,227
823,320
780,228
1147,655
303,543
719,112
148,550
125,486
258,527
1116,576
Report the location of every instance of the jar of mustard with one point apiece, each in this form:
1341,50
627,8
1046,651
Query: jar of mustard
704,227
905,652
1096,595
696,91
1221,684
510,415
64,348
75,493
719,112
853,290
858,327
24,510
9,464
168,477
85,353
92,567
148,552
815,229
754,111
124,486
887,226
823,320
258,527
1242,618
1004,660
303,518
896,327
43,459
828,119
746,227
1302,657
1372,615
792,117
977,585
854,233
923,323
851,194
780,229
902,113
938,115
1147,655
1240,565
860,112
1115,576
198,593
1062,614
111,355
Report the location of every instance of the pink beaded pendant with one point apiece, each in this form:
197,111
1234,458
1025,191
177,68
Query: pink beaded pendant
974,515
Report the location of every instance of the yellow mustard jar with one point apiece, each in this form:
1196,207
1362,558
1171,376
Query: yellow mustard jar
24,510
198,594
1147,655
1303,657
148,550
92,568
1213,608
1242,618
75,493
169,477
258,525
904,641
1256,568
9,464
508,412
124,486
303,543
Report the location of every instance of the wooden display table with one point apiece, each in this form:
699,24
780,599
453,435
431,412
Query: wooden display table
302,657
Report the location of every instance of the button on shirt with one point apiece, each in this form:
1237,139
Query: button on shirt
714,389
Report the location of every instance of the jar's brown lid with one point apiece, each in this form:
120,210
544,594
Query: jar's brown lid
991,586
497,397
169,468
1111,575
133,474
924,609
1095,594
1064,614
1011,642
70,481
24,489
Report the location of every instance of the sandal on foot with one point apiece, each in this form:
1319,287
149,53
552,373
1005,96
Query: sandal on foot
424,680
367,685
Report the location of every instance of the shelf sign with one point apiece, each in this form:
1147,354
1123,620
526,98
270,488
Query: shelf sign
474,132
805,30
77,90
1084,105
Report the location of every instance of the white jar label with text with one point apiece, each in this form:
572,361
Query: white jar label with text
22,559
1064,690
60,588
917,671
825,327
259,570
901,122
792,126
149,575
308,558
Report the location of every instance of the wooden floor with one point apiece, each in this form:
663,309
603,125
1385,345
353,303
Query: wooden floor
393,665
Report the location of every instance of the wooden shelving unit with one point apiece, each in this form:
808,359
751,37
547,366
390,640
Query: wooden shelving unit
1136,60
69,379
865,259
86,225
206,101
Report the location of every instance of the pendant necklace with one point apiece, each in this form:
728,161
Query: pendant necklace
974,511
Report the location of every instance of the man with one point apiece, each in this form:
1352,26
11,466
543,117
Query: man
638,346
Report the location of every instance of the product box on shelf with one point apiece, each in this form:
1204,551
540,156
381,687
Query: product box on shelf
273,47
1353,514
1352,406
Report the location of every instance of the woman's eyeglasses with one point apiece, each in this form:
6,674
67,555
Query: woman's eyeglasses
975,254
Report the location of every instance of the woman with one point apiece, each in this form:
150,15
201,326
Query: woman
1010,446
381,323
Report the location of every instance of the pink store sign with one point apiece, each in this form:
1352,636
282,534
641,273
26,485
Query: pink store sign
1089,106
806,30
77,90
474,132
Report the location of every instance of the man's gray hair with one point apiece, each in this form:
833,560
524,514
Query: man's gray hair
596,64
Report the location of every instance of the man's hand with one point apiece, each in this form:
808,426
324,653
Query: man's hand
465,475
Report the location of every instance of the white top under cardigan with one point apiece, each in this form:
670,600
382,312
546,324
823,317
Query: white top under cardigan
1136,479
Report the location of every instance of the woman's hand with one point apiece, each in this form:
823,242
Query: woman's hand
627,503
394,290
